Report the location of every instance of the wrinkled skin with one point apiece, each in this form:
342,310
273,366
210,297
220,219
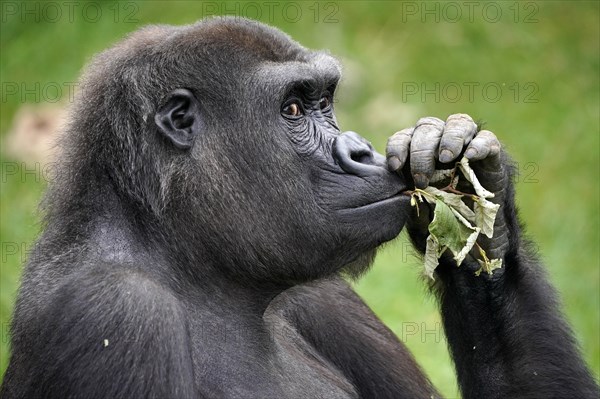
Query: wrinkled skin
205,210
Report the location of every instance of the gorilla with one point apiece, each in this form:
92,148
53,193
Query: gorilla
207,211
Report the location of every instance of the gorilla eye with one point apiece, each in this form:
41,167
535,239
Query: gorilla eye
324,103
292,109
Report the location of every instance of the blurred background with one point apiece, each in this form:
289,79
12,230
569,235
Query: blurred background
530,70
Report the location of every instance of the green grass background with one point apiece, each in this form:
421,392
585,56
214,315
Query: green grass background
385,48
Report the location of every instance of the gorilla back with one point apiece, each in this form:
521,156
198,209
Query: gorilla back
207,204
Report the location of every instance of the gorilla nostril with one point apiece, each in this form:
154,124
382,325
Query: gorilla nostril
362,157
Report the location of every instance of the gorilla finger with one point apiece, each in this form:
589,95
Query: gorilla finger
423,149
484,145
459,130
397,148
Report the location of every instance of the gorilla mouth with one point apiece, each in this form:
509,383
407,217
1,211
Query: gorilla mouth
378,221
398,197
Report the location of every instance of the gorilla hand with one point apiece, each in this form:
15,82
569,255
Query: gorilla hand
432,144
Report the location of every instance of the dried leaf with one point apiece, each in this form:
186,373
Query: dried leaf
431,256
485,215
454,201
451,233
470,176
488,265
455,226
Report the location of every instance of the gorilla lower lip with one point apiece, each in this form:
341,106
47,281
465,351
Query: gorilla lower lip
393,198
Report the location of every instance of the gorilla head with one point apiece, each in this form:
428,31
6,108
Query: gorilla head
218,143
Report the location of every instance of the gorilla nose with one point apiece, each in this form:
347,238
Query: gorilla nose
356,156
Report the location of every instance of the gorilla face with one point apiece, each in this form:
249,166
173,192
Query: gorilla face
346,199
243,154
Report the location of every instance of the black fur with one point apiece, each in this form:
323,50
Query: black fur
195,234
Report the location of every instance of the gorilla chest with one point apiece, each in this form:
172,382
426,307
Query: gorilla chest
283,366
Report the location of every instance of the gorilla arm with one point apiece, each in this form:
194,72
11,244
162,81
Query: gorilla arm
505,331
107,334
341,327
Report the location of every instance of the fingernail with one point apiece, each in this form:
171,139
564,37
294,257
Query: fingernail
446,156
420,181
393,164
471,152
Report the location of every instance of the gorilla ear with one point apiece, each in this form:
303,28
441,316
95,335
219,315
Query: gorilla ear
179,118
